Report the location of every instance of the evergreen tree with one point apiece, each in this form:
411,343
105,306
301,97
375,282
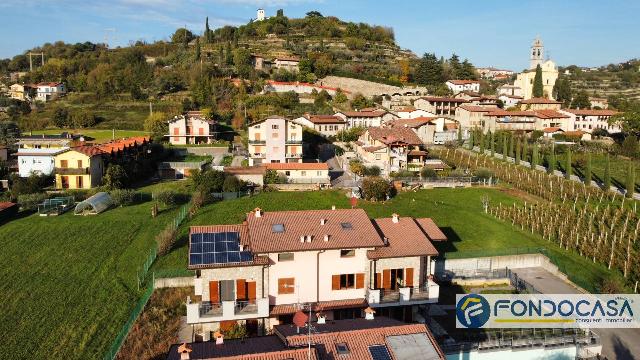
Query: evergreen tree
220,55
551,168
511,144
493,145
459,134
471,140
207,32
525,149
481,135
581,101
228,55
467,71
607,174
429,70
454,65
568,169
538,89
587,172
562,91
518,153
631,180
504,146
198,50
534,156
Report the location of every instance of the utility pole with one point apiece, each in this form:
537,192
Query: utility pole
31,61
106,36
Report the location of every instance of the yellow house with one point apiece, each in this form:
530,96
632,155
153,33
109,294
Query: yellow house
79,168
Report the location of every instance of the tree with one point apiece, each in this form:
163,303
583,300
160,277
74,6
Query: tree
427,173
279,13
198,50
429,70
242,62
471,140
340,97
511,146
375,188
314,14
534,156
504,146
273,177
182,36
61,117
581,101
83,119
551,160
538,88
156,125
208,34
587,171
493,144
518,151
629,146
631,180
630,119
467,71
482,140
231,184
607,174
562,91
568,169
115,177
525,149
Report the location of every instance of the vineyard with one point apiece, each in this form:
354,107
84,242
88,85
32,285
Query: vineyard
596,224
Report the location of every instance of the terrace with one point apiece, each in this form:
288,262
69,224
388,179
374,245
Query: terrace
427,293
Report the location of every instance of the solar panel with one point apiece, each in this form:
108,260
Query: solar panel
217,248
379,352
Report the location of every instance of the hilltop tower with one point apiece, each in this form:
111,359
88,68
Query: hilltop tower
537,53
260,15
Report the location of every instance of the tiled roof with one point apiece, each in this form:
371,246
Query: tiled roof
551,129
243,238
412,123
325,119
405,238
407,109
588,112
417,153
550,114
362,233
88,150
500,112
297,166
540,101
431,229
477,108
109,147
443,99
372,148
5,205
320,306
375,113
463,82
243,170
388,135
263,347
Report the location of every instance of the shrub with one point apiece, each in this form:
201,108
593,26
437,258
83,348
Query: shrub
427,173
484,173
231,184
30,202
356,167
402,174
115,177
273,177
457,173
371,171
208,181
166,239
375,188
167,197
123,197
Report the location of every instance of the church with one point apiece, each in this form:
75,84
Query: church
524,80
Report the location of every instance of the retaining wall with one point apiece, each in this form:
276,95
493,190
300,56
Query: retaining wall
160,283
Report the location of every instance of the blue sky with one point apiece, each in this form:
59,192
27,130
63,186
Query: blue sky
489,32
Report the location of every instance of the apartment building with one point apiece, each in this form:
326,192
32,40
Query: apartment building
366,117
457,86
191,127
439,105
524,121
36,153
588,120
339,262
275,140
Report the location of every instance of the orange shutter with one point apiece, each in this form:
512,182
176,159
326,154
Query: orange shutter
286,285
201,131
214,293
335,282
378,282
386,279
176,131
251,290
360,281
408,277
241,289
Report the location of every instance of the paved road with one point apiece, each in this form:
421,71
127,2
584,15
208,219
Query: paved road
620,344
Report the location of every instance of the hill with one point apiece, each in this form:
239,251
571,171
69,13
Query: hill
611,81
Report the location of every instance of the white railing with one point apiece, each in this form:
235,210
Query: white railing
227,310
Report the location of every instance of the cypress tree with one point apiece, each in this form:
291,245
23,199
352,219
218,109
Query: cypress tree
534,156
607,175
471,140
517,161
207,31
525,149
631,180
568,170
481,142
459,134
511,144
552,163
504,146
587,171
538,89
493,145
198,50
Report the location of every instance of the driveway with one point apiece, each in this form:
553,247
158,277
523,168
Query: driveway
620,344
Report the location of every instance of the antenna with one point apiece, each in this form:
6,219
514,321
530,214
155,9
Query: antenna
106,36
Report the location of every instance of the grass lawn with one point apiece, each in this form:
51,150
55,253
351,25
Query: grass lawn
458,212
69,282
99,135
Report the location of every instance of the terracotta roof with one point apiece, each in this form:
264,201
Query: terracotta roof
297,166
443,99
243,170
49,84
324,119
463,82
499,112
550,114
288,58
589,112
88,150
360,234
540,101
375,113
552,129
405,238
417,153
243,238
320,306
431,229
390,135
407,109
6,205
411,123
262,347
372,148
512,96
109,147
477,108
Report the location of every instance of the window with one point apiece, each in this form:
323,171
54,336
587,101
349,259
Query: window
277,228
347,281
346,226
288,173
274,127
286,286
303,173
285,257
64,163
79,164
347,253
342,349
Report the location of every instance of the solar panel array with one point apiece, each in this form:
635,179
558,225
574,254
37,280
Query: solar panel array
379,352
217,248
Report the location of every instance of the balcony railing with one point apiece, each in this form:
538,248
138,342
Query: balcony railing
291,141
226,310
257,142
210,309
430,292
72,171
246,307
296,156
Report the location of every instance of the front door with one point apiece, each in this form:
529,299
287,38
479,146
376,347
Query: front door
79,182
65,181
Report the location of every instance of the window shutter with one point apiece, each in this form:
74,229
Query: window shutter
408,277
214,292
281,286
335,282
251,290
378,281
359,280
241,289
386,279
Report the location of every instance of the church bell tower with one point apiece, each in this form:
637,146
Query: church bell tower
537,54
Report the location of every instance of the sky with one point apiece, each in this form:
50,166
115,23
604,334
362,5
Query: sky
487,32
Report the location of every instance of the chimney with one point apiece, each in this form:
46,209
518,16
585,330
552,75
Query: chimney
258,212
323,221
322,319
309,238
333,207
219,338
302,238
386,241
395,218
184,351
326,237
368,313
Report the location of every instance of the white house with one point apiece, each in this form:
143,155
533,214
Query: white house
191,128
588,120
302,173
411,112
36,153
439,105
463,85
510,100
510,90
275,140
327,125
288,63
366,117
50,91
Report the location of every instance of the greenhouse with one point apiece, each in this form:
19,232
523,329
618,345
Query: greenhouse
94,205
55,206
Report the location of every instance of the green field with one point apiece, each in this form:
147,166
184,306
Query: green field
97,134
458,212
69,282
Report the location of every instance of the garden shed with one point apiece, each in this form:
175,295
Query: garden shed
94,205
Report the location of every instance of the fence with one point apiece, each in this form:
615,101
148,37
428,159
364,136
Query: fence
489,253
229,195
522,286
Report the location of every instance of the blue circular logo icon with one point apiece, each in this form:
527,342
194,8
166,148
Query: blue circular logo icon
473,311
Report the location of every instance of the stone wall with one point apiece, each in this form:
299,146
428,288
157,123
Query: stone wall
160,283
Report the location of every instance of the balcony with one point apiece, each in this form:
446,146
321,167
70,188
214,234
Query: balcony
428,293
258,142
294,156
226,310
71,171
291,141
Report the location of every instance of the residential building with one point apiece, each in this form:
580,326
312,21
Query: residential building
510,90
260,15
302,173
494,74
510,101
551,131
191,127
339,261
457,86
431,130
588,120
259,62
371,338
524,80
253,175
472,117
22,92
327,125
411,112
391,148
36,153
275,140
366,117
599,103
288,63
446,106
540,104
524,121
7,211
48,91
